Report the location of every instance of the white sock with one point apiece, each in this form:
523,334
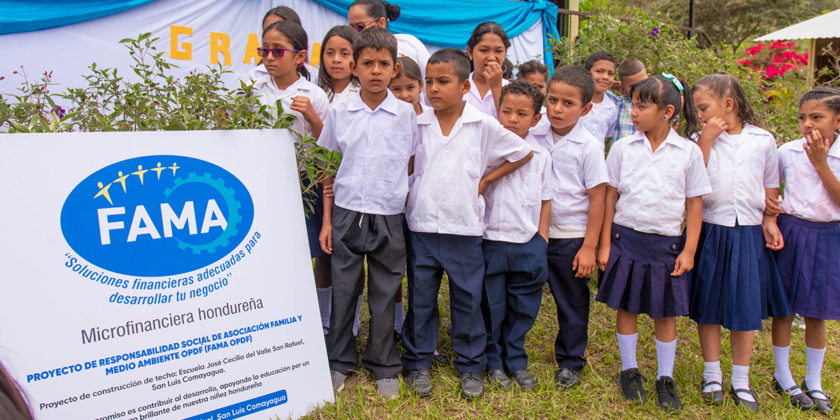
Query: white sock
436,353
627,348
665,355
741,380
325,304
712,373
783,375
815,363
357,322
399,317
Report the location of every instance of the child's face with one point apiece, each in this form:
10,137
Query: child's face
280,66
603,72
538,80
564,107
338,54
647,116
406,89
627,82
816,116
490,49
708,107
516,113
374,69
443,89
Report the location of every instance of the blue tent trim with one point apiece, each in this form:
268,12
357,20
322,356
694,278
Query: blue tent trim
449,23
27,16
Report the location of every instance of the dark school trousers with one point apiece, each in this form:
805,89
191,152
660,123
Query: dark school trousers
513,280
462,259
381,239
572,297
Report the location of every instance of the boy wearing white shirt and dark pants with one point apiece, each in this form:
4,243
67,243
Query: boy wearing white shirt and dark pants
376,134
445,214
577,212
517,216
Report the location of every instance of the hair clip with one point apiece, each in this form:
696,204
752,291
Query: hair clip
674,80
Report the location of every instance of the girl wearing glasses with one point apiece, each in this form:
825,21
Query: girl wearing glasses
273,16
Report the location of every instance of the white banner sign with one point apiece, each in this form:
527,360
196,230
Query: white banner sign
158,275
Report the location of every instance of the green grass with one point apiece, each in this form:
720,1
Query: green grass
597,395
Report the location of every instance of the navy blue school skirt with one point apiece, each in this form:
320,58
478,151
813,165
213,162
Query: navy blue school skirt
638,275
314,220
735,282
809,266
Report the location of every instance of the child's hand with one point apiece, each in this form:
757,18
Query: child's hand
584,262
772,235
482,186
493,73
771,206
816,147
328,190
326,238
603,257
302,104
685,262
714,128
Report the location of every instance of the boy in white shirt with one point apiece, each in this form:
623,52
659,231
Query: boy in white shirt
445,211
577,212
517,217
376,134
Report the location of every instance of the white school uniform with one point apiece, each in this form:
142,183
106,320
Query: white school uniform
270,93
376,146
486,104
653,186
600,121
259,71
447,171
351,90
740,168
513,203
805,194
577,165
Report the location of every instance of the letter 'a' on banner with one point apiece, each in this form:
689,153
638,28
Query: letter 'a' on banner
158,275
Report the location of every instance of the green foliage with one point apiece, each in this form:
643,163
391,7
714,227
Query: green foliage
156,101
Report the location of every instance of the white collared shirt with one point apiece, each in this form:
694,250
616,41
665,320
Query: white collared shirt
513,203
805,194
270,93
486,105
346,94
447,171
601,121
653,186
375,146
740,168
577,165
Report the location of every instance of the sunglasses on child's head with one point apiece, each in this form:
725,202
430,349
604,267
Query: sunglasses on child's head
277,52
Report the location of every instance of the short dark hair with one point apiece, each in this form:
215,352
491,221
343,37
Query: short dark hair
630,66
507,69
598,56
296,36
410,69
526,88
662,92
578,77
488,28
378,9
725,85
531,67
375,37
284,13
456,58
830,96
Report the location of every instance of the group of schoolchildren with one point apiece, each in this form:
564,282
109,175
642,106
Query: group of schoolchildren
504,186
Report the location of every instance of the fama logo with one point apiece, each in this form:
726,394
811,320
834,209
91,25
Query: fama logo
157,215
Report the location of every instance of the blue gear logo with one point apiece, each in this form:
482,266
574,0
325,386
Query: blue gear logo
233,211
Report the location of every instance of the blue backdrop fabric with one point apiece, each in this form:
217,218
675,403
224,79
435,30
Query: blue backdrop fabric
26,16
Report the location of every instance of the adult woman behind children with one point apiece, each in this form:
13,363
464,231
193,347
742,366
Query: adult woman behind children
12,404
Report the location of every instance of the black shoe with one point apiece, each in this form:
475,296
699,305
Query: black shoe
472,386
449,330
666,395
498,379
752,405
440,360
397,337
822,402
566,378
800,401
630,384
419,381
711,397
524,379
